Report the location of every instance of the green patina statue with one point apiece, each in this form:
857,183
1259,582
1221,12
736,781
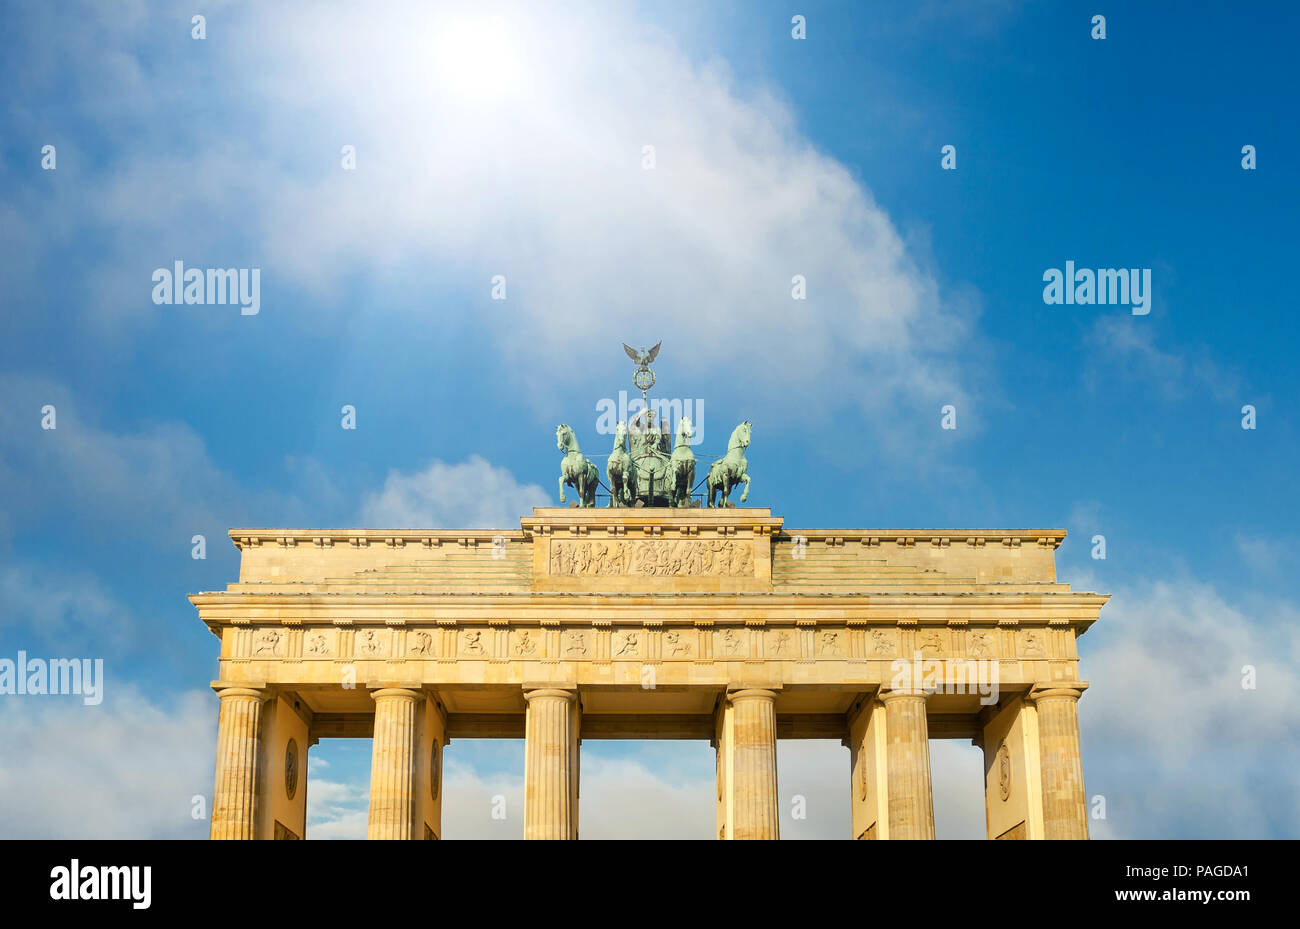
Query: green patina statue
727,472
576,469
620,470
681,467
640,470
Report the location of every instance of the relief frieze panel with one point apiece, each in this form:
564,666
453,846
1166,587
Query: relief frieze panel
653,558
637,643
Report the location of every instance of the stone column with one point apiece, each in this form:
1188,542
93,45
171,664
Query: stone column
239,737
1065,808
754,800
551,763
907,749
392,764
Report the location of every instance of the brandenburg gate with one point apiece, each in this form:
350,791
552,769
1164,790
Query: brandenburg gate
651,622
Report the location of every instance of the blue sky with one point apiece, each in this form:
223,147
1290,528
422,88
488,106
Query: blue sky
774,157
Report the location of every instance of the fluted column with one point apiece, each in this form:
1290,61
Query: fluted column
551,764
239,743
1065,808
907,751
392,764
755,803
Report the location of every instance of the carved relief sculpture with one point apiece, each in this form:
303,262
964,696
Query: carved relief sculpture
694,558
268,642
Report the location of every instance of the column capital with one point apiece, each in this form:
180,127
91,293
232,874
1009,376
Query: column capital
888,694
735,694
553,693
1047,690
241,689
401,693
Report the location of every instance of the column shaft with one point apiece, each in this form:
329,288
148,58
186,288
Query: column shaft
239,736
392,765
755,802
911,802
1065,809
551,764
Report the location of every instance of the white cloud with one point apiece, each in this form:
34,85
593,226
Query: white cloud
1124,347
128,768
1170,737
335,809
472,494
546,186
542,183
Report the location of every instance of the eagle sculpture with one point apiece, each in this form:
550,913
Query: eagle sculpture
643,357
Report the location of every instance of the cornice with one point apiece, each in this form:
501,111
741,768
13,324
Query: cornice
364,538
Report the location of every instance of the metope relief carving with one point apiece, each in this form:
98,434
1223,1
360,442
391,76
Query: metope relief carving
931,644
828,645
318,643
653,558
781,644
1033,644
575,645
419,644
371,643
525,645
676,644
627,645
731,644
471,644
268,643
979,643
884,643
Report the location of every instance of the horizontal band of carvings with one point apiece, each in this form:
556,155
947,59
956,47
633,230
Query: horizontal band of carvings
501,641
652,558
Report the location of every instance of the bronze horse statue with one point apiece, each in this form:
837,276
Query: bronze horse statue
733,469
620,470
681,467
576,470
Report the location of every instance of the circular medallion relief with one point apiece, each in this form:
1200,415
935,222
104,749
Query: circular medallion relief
435,770
1004,771
291,768
718,775
862,776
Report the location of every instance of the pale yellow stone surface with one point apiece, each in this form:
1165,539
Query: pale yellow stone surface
1065,814
907,761
1012,790
651,617
392,770
551,728
239,747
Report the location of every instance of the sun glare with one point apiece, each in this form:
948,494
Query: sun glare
478,60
